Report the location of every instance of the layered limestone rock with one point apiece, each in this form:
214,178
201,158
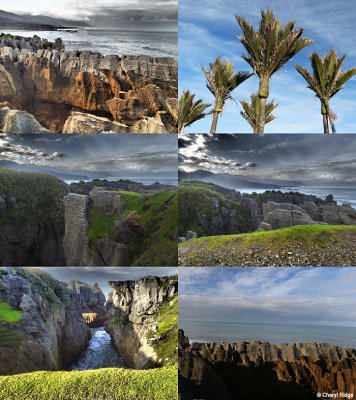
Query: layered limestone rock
260,370
15,121
283,215
51,331
77,247
85,92
132,307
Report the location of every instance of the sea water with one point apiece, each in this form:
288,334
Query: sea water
100,353
217,331
112,41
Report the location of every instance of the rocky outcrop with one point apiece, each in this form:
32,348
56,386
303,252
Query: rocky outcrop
85,92
133,309
15,121
260,370
51,331
77,247
283,215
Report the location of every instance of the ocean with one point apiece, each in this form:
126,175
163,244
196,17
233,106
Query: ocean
341,195
215,331
113,41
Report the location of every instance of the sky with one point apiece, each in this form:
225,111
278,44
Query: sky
104,13
316,296
121,156
323,160
102,275
208,29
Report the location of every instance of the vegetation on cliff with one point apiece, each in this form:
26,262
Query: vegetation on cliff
30,196
195,197
300,245
167,329
8,337
148,224
107,383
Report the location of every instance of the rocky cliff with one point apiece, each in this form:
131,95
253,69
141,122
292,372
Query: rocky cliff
143,320
260,370
31,219
50,332
85,92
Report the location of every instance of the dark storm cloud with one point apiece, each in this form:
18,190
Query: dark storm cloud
306,158
102,275
96,155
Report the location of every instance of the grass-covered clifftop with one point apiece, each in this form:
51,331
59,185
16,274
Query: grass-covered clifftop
149,226
107,383
30,196
195,197
301,245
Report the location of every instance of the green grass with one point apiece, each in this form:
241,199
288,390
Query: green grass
9,338
303,234
100,384
99,225
9,314
31,196
167,325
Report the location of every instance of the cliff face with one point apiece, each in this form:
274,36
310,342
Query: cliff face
135,310
31,219
256,370
51,331
85,92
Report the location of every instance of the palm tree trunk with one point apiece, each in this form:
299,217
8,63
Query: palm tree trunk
325,122
214,123
261,116
328,112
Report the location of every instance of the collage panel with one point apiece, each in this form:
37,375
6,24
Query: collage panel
267,333
88,333
89,67
272,200
255,66
88,200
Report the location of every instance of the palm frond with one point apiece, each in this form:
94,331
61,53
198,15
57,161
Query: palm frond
190,111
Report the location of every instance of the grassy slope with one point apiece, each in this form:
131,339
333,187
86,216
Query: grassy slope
35,194
108,383
8,337
157,215
194,197
301,235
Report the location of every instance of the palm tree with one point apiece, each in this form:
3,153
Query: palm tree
221,82
326,81
268,50
190,111
252,110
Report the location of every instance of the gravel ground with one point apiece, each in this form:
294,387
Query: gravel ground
337,253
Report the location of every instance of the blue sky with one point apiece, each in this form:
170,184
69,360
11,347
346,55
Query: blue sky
208,29
316,296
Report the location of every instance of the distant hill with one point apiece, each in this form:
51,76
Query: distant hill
64,175
35,22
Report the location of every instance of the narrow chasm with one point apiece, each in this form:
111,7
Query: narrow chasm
100,353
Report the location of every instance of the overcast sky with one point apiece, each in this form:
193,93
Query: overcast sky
123,156
316,296
208,29
324,160
102,275
104,13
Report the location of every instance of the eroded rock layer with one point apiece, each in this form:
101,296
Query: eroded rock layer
133,309
260,370
50,332
85,92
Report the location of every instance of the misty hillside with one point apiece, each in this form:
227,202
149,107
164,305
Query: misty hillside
35,22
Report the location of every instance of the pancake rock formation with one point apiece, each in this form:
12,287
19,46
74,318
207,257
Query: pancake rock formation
260,370
84,91
133,309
